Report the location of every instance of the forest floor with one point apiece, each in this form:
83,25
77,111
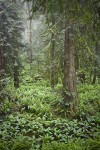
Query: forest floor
35,117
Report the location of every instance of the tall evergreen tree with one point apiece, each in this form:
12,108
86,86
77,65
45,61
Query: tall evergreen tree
10,38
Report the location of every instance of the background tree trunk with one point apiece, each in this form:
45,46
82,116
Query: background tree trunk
16,76
30,32
96,63
1,60
53,54
15,58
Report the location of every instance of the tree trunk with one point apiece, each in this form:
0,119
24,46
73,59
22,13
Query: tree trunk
30,33
69,81
53,73
94,77
2,69
1,60
16,76
15,58
52,59
96,63
3,47
16,69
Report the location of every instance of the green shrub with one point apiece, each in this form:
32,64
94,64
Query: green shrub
75,145
2,147
89,98
58,130
93,144
71,145
54,146
21,144
90,144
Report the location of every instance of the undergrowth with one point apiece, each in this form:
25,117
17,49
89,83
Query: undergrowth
33,117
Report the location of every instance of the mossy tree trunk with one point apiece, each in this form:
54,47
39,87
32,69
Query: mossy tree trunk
69,81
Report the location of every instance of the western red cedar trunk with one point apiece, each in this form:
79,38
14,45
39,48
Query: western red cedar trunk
69,81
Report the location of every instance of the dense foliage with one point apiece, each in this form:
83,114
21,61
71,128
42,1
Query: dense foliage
50,84
36,115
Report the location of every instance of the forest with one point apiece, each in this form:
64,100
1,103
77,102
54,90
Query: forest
49,75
